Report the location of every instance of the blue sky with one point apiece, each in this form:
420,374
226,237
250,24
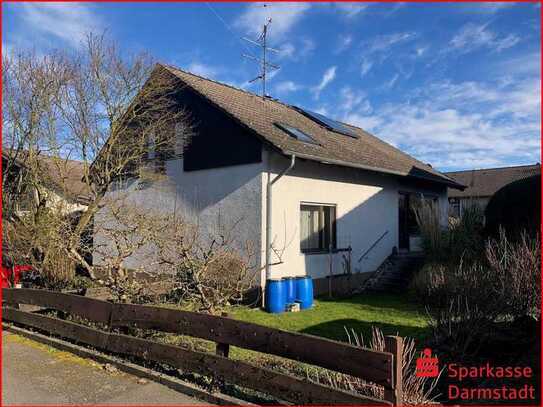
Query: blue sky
455,85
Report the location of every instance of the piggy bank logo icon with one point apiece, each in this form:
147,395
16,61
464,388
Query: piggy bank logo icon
427,366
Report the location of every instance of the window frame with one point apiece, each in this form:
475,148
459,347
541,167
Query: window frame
324,237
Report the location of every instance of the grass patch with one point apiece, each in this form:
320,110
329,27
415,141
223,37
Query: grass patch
394,314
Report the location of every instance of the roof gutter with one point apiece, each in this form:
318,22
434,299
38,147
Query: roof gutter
450,183
269,210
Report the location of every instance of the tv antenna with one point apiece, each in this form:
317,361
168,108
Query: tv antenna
265,66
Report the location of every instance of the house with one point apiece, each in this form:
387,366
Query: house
60,182
55,183
482,184
302,187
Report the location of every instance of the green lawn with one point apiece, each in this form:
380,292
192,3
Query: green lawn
394,314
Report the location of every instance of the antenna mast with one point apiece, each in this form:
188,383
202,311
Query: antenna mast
265,66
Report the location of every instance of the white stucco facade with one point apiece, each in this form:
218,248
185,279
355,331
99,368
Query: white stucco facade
366,209
227,198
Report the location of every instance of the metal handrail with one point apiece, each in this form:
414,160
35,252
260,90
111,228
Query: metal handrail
372,246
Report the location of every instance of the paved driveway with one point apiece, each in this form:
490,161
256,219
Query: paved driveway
37,374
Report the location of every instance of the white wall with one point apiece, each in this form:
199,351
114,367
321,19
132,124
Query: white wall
228,197
366,207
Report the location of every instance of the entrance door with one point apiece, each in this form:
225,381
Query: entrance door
403,220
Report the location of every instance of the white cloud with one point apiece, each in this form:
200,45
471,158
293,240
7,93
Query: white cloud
474,36
383,43
287,50
351,99
285,87
302,49
204,70
308,46
378,49
351,10
284,17
344,42
390,83
420,51
328,77
68,22
321,110
365,67
366,122
507,42
523,65
457,125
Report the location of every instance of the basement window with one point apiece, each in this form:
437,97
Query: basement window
317,228
296,133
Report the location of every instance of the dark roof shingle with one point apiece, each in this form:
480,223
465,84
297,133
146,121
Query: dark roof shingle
486,182
258,114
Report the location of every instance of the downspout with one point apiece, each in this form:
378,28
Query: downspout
269,211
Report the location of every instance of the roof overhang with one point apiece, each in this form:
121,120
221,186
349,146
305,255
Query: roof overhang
451,183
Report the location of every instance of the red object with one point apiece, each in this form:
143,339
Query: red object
427,366
12,275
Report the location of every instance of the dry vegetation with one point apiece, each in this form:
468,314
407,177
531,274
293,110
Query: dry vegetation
95,106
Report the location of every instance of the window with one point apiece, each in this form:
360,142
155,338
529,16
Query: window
296,133
317,228
158,152
151,146
454,207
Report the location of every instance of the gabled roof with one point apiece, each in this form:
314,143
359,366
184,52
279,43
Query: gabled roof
63,175
486,182
261,115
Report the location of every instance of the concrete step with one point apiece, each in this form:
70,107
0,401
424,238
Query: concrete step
397,273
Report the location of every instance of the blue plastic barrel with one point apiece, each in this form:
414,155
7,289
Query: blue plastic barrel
275,296
304,291
290,286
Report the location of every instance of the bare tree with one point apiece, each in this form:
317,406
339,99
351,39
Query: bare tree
96,106
208,266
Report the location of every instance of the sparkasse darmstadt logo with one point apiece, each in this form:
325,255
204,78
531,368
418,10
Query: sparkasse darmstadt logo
428,366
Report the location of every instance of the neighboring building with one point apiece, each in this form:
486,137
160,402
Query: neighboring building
310,182
61,182
482,184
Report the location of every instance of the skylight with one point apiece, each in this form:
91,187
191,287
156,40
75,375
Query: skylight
296,133
330,124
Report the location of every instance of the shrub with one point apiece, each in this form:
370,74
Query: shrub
126,289
463,239
434,238
214,281
466,301
416,390
39,241
516,208
517,268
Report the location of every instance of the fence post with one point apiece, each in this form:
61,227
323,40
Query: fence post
222,349
394,345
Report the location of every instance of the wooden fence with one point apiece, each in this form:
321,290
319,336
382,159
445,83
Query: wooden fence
383,368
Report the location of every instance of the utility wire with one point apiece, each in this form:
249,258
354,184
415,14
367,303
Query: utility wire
228,27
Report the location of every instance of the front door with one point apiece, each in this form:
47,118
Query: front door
403,220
